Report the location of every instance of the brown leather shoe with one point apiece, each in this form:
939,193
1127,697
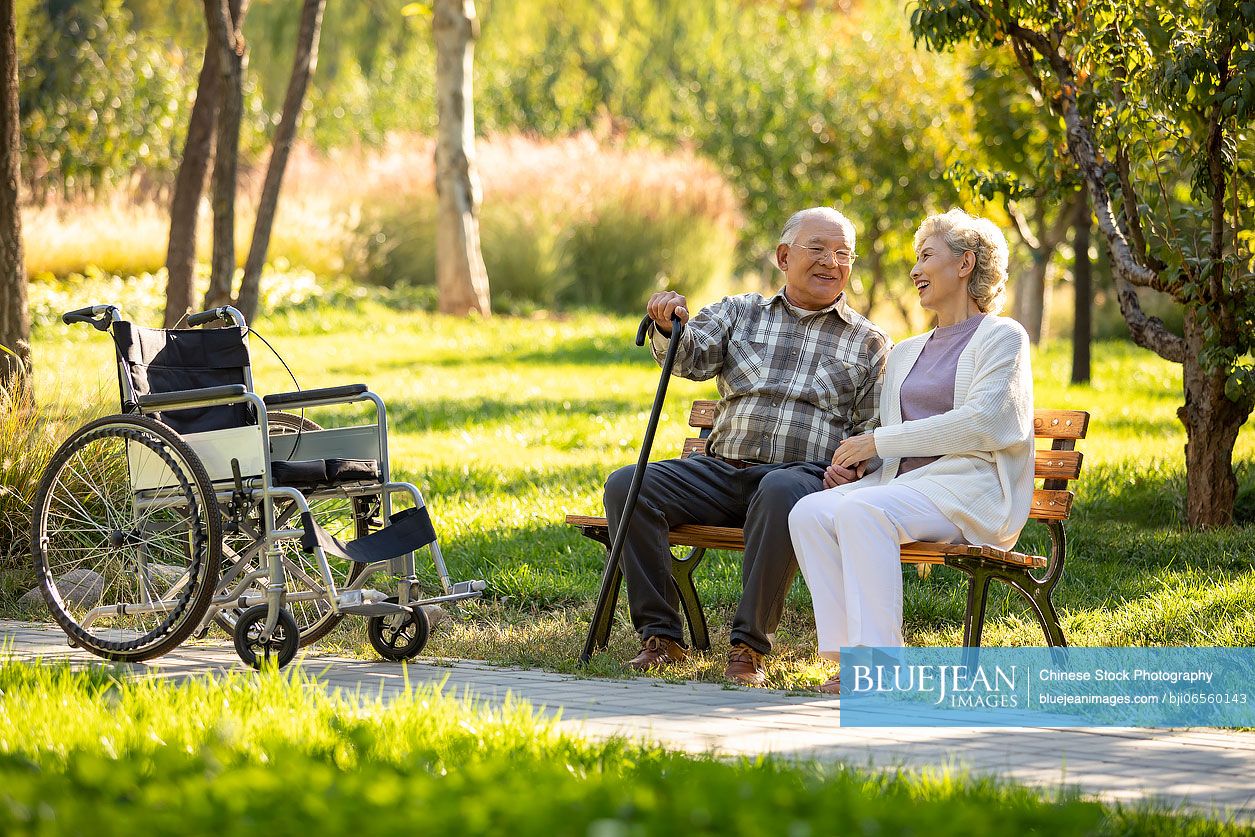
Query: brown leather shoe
745,666
658,651
831,686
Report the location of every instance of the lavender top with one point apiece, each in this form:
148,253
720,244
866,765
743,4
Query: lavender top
928,389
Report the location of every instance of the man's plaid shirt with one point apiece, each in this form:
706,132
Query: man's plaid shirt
793,383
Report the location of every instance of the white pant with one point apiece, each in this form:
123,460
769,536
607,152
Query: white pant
847,547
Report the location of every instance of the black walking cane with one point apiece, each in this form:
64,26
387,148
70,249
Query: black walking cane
612,577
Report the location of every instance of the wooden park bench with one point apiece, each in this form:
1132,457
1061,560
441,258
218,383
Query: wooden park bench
1033,576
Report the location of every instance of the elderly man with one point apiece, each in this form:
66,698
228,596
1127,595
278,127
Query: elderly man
798,372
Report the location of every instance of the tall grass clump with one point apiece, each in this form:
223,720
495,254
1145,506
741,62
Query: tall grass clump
29,435
566,222
119,234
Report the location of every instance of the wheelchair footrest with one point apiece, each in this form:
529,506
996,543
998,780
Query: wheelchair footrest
409,530
374,609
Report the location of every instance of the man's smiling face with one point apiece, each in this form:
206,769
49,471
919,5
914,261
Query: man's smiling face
812,264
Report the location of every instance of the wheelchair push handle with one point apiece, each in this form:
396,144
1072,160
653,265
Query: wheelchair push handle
677,328
224,312
99,316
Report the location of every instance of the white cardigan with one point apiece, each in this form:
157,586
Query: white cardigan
983,481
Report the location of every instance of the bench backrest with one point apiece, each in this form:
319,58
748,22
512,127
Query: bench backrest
1055,466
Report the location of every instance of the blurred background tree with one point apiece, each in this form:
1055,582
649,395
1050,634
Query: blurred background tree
14,315
793,103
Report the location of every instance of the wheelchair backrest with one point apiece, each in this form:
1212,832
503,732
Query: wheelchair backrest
172,360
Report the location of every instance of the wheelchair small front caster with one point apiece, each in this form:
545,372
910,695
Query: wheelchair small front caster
284,641
400,636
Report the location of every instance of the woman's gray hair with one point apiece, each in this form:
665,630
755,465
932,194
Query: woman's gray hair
965,233
789,234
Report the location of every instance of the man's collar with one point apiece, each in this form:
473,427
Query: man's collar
839,306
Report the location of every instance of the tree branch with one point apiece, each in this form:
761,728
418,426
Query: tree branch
1215,165
1081,145
1148,332
1132,212
1022,226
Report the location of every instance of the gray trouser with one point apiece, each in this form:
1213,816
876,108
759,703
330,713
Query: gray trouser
708,491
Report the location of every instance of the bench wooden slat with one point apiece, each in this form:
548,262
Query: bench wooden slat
702,414
1047,424
1060,424
935,553
1050,505
1049,464
721,537
1057,464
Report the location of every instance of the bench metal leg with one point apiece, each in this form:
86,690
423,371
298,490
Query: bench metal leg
974,620
1039,598
682,574
1036,593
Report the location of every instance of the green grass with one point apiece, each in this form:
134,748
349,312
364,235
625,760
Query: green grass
92,752
510,423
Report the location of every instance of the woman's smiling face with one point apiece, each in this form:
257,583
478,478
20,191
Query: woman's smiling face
940,274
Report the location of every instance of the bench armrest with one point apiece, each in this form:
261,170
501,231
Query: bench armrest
198,397
310,397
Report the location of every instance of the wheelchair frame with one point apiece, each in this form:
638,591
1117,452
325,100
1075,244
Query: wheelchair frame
236,493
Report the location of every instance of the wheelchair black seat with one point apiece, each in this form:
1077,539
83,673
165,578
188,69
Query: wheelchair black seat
324,473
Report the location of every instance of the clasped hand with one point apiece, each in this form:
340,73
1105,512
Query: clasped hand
849,463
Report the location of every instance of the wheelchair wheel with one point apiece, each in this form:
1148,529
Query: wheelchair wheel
400,636
342,517
282,645
126,538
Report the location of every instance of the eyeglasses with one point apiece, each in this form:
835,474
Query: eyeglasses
844,258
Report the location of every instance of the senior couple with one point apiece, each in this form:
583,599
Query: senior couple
830,449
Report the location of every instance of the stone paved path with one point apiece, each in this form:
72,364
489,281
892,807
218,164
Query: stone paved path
1198,769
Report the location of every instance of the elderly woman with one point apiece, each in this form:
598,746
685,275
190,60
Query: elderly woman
956,444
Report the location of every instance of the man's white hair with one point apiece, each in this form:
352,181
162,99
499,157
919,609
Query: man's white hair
789,234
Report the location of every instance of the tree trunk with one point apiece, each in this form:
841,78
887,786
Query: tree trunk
15,326
875,267
1083,283
1211,424
1031,298
303,65
461,278
189,184
227,21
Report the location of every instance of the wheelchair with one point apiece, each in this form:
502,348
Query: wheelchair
205,503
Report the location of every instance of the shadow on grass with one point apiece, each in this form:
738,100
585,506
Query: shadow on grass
416,416
578,351
453,482
591,351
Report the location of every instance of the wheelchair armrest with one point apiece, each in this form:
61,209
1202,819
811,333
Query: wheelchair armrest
310,397
165,400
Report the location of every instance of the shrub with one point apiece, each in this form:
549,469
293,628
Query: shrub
567,222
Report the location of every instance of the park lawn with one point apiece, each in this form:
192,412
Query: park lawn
510,423
93,752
